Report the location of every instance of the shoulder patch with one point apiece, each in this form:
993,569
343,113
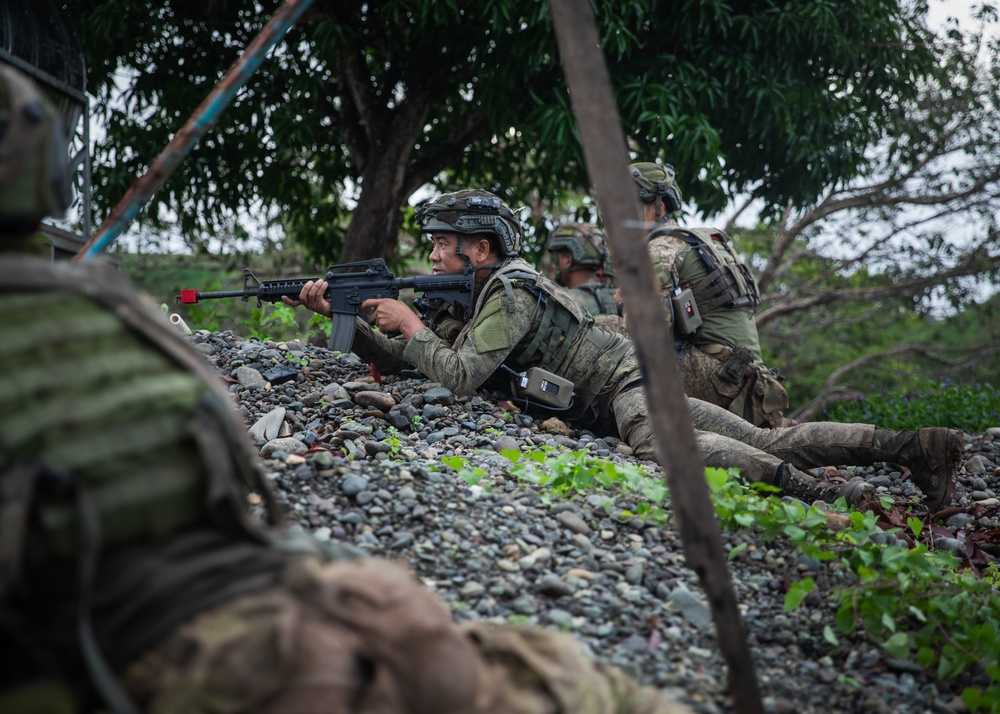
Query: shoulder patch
491,331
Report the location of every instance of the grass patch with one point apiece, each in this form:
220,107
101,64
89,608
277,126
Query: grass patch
970,407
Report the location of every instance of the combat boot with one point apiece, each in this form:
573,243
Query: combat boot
933,456
804,487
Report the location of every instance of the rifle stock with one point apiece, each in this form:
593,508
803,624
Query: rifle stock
346,291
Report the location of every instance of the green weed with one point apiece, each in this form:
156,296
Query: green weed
916,603
972,407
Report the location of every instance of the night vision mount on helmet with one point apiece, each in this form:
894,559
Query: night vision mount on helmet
657,180
471,212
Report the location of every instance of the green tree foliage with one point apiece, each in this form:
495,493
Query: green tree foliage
867,284
365,103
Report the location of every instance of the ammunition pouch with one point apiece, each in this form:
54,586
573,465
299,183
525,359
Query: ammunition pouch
734,368
753,391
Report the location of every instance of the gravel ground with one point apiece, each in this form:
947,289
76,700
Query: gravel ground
344,457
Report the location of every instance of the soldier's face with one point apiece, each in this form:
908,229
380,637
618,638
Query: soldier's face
444,260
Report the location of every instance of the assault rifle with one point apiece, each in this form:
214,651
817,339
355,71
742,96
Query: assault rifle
346,292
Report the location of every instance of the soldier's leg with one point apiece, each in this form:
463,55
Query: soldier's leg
723,451
698,371
803,445
716,449
933,454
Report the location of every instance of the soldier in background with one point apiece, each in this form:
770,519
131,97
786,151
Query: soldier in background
583,267
710,297
133,575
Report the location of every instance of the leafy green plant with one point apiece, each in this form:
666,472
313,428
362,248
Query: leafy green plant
274,323
416,422
563,473
914,602
319,326
394,442
972,407
471,475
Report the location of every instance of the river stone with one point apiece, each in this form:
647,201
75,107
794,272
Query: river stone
439,395
268,426
286,445
250,378
556,426
206,348
573,522
376,400
506,443
691,607
353,485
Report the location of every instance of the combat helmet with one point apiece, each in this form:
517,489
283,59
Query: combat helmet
657,181
585,242
470,212
34,156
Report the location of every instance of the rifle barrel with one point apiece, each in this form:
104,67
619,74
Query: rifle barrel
192,296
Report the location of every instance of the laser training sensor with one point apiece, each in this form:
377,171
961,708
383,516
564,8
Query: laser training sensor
545,387
687,319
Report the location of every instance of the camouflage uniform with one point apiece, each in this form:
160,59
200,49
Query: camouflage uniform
587,245
598,298
521,320
721,362
131,568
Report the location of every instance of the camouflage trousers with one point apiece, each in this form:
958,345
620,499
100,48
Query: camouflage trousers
746,389
364,637
726,441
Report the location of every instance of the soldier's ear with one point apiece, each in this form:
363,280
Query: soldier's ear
483,249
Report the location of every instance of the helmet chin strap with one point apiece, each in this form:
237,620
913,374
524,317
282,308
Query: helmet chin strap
468,267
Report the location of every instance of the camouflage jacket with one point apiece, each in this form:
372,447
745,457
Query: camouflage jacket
597,296
510,325
676,262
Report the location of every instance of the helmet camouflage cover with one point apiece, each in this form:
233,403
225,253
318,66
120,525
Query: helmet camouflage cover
657,180
470,212
585,241
34,153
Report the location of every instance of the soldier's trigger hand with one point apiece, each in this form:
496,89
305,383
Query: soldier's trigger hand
391,315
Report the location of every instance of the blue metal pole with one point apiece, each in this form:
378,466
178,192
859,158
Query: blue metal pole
201,121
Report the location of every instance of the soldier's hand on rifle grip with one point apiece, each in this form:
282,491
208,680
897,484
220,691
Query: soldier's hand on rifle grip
313,296
391,315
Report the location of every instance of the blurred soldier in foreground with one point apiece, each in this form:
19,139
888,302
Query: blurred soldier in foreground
583,267
543,351
133,576
710,297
